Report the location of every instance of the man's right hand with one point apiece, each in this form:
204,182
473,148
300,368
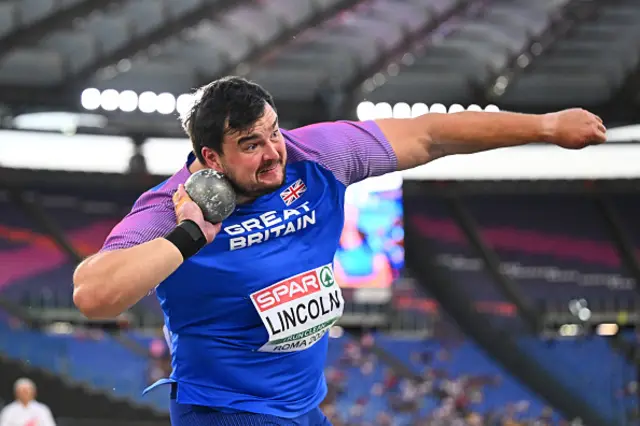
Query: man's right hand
186,208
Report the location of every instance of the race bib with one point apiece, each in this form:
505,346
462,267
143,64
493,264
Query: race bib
298,311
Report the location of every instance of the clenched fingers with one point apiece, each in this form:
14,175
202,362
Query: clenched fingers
180,197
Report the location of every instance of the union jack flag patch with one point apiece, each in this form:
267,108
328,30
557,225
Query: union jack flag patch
293,192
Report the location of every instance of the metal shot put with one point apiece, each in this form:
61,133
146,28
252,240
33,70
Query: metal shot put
213,193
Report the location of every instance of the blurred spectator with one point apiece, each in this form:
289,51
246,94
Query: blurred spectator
160,362
25,410
422,358
331,412
158,369
391,382
630,389
158,348
367,341
352,355
474,419
336,384
358,409
547,417
408,398
384,419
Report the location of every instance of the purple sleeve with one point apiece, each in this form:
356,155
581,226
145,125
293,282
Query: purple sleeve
352,150
151,217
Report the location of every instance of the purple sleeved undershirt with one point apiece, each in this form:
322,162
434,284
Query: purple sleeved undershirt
353,151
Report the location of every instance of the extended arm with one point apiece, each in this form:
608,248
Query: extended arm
417,141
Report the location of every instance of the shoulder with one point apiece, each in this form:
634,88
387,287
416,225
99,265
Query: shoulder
352,150
151,216
310,142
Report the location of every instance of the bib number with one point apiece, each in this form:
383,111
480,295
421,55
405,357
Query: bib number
298,311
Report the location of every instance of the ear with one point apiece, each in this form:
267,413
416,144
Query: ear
212,159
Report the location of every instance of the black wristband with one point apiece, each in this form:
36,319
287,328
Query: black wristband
188,238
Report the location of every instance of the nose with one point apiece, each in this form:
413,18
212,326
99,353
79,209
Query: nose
270,152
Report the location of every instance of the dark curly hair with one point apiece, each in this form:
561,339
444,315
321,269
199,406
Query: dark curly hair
231,101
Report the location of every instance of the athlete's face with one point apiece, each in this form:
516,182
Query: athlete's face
254,160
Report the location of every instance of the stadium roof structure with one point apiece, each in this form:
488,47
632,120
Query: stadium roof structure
136,62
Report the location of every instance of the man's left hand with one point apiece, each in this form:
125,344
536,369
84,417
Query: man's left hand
573,128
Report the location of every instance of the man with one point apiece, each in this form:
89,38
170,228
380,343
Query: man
247,303
25,410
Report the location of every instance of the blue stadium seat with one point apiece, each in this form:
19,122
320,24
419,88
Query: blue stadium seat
589,367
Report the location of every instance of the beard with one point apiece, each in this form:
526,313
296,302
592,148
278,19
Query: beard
255,190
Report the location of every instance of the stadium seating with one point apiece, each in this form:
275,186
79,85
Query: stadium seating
86,219
93,359
565,231
627,208
174,66
590,367
470,52
97,360
599,54
556,247
464,359
18,248
333,54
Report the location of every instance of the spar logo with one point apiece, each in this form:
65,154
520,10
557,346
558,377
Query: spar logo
326,277
290,289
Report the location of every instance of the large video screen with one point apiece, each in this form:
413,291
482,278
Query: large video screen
371,251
